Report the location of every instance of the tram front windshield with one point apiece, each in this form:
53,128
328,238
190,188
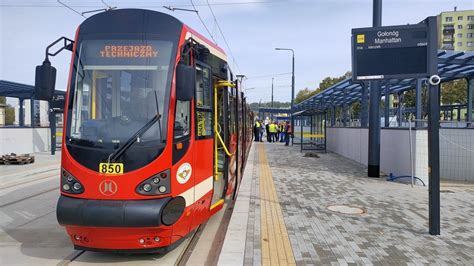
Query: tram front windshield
120,86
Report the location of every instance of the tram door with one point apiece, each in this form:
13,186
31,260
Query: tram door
221,141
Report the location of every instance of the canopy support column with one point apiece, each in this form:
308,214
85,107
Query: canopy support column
399,109
470,90
21,115
333,116
387,106
344,114
32,112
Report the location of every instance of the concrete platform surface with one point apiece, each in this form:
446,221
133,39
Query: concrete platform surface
393,228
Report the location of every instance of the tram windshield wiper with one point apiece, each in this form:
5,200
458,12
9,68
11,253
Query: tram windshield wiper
135,137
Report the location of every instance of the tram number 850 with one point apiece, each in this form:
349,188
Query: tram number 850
111,168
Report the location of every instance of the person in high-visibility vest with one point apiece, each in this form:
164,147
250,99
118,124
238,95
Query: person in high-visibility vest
282,132
273,130
270,131
256,130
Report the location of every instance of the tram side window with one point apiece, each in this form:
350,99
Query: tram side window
182,121
203,102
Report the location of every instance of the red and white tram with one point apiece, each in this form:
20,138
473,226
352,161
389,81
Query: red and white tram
156,132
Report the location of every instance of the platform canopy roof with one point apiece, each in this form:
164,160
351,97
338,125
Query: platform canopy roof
451,65
274,110
19,90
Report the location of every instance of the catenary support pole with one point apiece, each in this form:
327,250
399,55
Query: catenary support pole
272,100
433,135
374,108
292,88
418,104
433,160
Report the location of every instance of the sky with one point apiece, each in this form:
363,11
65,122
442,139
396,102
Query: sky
317,30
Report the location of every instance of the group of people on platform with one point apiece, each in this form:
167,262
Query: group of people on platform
275,132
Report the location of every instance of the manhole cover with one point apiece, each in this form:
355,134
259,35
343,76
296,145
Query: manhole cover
344,209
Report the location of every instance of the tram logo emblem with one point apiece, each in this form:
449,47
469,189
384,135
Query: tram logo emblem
184,173
108,187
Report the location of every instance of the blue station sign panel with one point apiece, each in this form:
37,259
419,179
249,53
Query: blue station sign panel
391,52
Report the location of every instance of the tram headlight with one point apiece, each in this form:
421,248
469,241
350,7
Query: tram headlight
147,187
70,184
77,186
158,184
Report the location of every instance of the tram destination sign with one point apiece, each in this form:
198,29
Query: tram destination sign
392,52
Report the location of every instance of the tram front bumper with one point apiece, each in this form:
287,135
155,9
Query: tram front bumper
119,213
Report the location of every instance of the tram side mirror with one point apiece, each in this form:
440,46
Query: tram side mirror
185,82
45,81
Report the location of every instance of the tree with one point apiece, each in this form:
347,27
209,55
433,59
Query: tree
328,81
9,111
304,94
454,92
9,115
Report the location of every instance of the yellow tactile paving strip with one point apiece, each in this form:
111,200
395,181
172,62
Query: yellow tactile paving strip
276,246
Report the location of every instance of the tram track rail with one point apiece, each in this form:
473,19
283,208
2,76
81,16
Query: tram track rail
71,257
28,197
187,251
37,177
181,259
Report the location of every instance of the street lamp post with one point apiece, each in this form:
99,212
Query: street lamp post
272,92
292,86
272,100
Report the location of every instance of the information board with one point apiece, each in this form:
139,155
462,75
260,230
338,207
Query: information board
391,52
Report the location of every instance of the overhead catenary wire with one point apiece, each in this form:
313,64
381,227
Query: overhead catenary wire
72,9
223,37
149,6
107,5
202,21
269,75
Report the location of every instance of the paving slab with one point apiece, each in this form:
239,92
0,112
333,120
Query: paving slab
393,228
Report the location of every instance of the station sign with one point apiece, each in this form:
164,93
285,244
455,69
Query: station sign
393,52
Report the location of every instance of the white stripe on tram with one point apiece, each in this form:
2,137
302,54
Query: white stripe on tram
195,193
